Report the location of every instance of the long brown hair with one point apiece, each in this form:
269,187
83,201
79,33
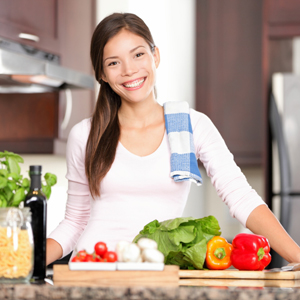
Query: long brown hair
105,130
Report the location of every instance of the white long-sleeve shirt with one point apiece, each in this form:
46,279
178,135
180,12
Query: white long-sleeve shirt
137,190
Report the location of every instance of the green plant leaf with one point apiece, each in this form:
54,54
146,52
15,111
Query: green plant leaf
182,240
50,178
25,183
4,163
12,185
7,154
46,189
13,165
19,196
15,176
7,192
3,202
3,173
3,182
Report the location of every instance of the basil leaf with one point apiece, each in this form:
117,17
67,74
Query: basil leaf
3,173
51,179
19,196
46,189
25,183
3,182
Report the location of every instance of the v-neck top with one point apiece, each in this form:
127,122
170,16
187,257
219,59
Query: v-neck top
149,156
137,190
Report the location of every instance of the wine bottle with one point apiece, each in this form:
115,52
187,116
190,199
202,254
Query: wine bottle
37,202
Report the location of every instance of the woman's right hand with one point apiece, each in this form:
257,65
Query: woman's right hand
54,251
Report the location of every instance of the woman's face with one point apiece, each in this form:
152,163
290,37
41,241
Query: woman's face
129,67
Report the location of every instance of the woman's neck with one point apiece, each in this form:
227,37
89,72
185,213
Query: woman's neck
140,115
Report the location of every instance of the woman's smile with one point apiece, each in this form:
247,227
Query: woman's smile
135,84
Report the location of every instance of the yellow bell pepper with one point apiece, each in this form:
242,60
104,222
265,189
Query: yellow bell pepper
218,254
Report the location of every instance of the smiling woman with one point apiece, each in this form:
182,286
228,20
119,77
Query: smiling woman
119,162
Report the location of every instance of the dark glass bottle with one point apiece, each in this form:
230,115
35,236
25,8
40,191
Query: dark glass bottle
37,202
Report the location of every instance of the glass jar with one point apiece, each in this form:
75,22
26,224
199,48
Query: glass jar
16,245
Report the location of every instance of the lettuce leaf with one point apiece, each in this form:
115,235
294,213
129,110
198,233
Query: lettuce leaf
182,240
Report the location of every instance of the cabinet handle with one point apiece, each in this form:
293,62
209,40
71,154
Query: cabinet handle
68,112
30,37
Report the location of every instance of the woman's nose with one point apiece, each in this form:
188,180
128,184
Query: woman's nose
129,68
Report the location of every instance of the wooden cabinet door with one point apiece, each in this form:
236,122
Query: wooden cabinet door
229,75
282,18
38,18
28,122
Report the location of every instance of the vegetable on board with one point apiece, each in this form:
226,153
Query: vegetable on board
100,254
218,254
182,240
250,252
144,251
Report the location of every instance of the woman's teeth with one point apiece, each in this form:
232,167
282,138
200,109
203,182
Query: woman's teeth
134,83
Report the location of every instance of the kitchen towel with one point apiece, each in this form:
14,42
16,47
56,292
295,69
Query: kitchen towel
184,164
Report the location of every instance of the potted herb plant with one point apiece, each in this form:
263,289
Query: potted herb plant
13,186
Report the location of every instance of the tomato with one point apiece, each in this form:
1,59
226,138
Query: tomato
100,248
90,258
82,254
76,259
102,260
110,256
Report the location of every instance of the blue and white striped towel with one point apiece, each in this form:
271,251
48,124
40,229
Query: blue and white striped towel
180,134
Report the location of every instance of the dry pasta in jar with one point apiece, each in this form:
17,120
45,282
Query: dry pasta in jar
16,245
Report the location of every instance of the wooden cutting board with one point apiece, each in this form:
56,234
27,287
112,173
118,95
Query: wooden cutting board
62,275
236,274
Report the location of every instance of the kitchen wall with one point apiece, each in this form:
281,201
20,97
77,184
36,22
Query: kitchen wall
172,23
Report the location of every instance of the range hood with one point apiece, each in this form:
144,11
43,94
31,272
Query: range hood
25,69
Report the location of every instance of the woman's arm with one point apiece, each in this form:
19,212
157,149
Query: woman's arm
63,239
263,222
67,233
54,251
232,186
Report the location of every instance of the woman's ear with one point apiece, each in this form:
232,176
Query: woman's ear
103,77
156,56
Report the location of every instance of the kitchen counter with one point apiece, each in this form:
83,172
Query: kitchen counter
48,291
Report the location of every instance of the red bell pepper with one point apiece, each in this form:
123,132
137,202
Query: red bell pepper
250,252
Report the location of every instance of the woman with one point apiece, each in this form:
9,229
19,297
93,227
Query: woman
119,160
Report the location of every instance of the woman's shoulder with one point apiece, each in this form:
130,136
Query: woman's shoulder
81,130
199,117
83,127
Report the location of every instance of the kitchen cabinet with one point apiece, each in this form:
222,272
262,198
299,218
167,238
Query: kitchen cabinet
229,77
283,18
31,22
40,123
28,123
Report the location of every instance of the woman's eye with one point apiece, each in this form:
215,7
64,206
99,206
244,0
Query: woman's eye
113,63
139,54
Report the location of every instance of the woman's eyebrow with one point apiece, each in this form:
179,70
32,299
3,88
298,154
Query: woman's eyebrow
136,48
132,50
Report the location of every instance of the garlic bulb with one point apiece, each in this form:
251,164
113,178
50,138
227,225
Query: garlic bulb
152,255
145,243
120,248
131,253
